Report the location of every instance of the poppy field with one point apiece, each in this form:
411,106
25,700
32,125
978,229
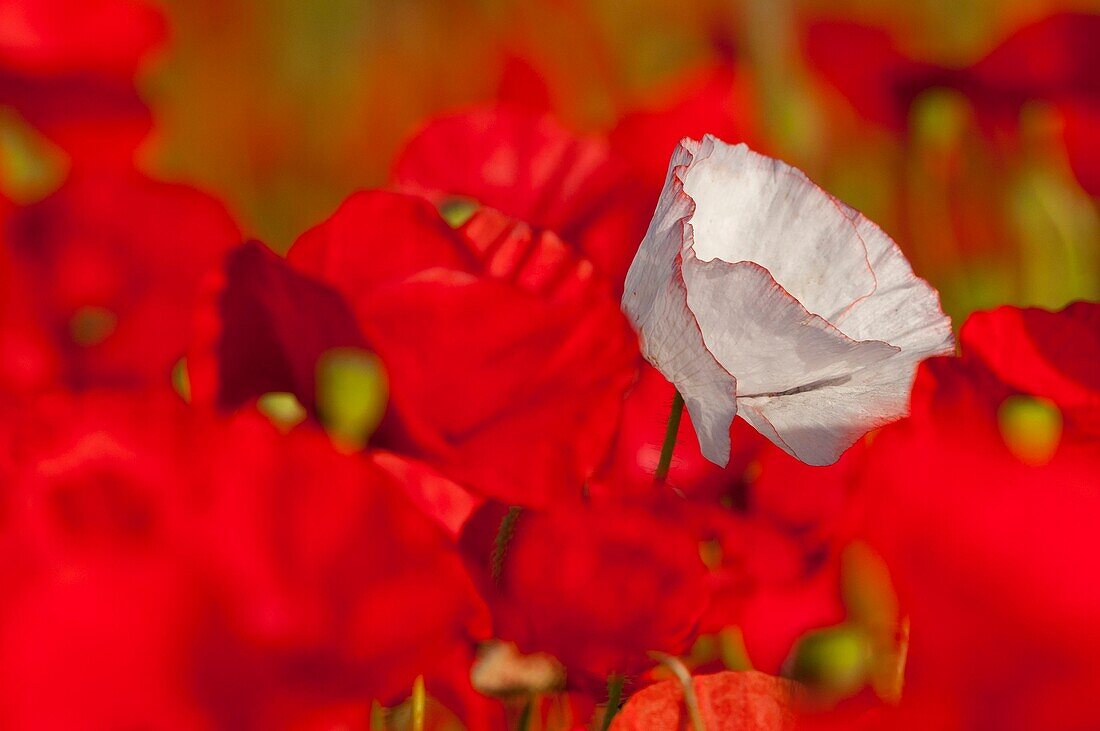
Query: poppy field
539,366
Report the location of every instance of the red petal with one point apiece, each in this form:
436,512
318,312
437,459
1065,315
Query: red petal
866,66
728,701
1052,355
712,100
522,85
130,249
265,326
376,238
57,37
598,587
525,165
222,570
29,361
1051,57
1081,120
68,67
999,554
326,558
438,497
522,406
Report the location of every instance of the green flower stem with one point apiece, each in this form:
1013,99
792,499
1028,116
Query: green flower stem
614,697
670,439
500,545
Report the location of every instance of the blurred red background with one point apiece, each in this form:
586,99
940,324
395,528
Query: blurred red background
139,142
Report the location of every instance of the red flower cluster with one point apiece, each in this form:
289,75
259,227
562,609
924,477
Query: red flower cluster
989,531
241,490
1053,60
68,66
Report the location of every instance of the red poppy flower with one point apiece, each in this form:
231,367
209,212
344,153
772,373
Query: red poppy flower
97,473
331,578
773,529
869,70
1053,60
112,263
262,328
1052,355
216,574
984,506
522,407
97,603
69,66
733,701
598,586
765,581
524,164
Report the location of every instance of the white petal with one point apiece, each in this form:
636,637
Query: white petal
817,425
655,300
758,332
904,310
749,207
750,269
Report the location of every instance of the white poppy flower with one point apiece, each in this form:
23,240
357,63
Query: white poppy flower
758,294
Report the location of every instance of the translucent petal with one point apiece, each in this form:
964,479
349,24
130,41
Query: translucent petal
655,300
749,207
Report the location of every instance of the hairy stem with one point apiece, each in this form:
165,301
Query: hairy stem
614,697
500,545
670,439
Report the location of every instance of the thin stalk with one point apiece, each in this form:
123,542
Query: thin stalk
500,544
614,697
669,444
